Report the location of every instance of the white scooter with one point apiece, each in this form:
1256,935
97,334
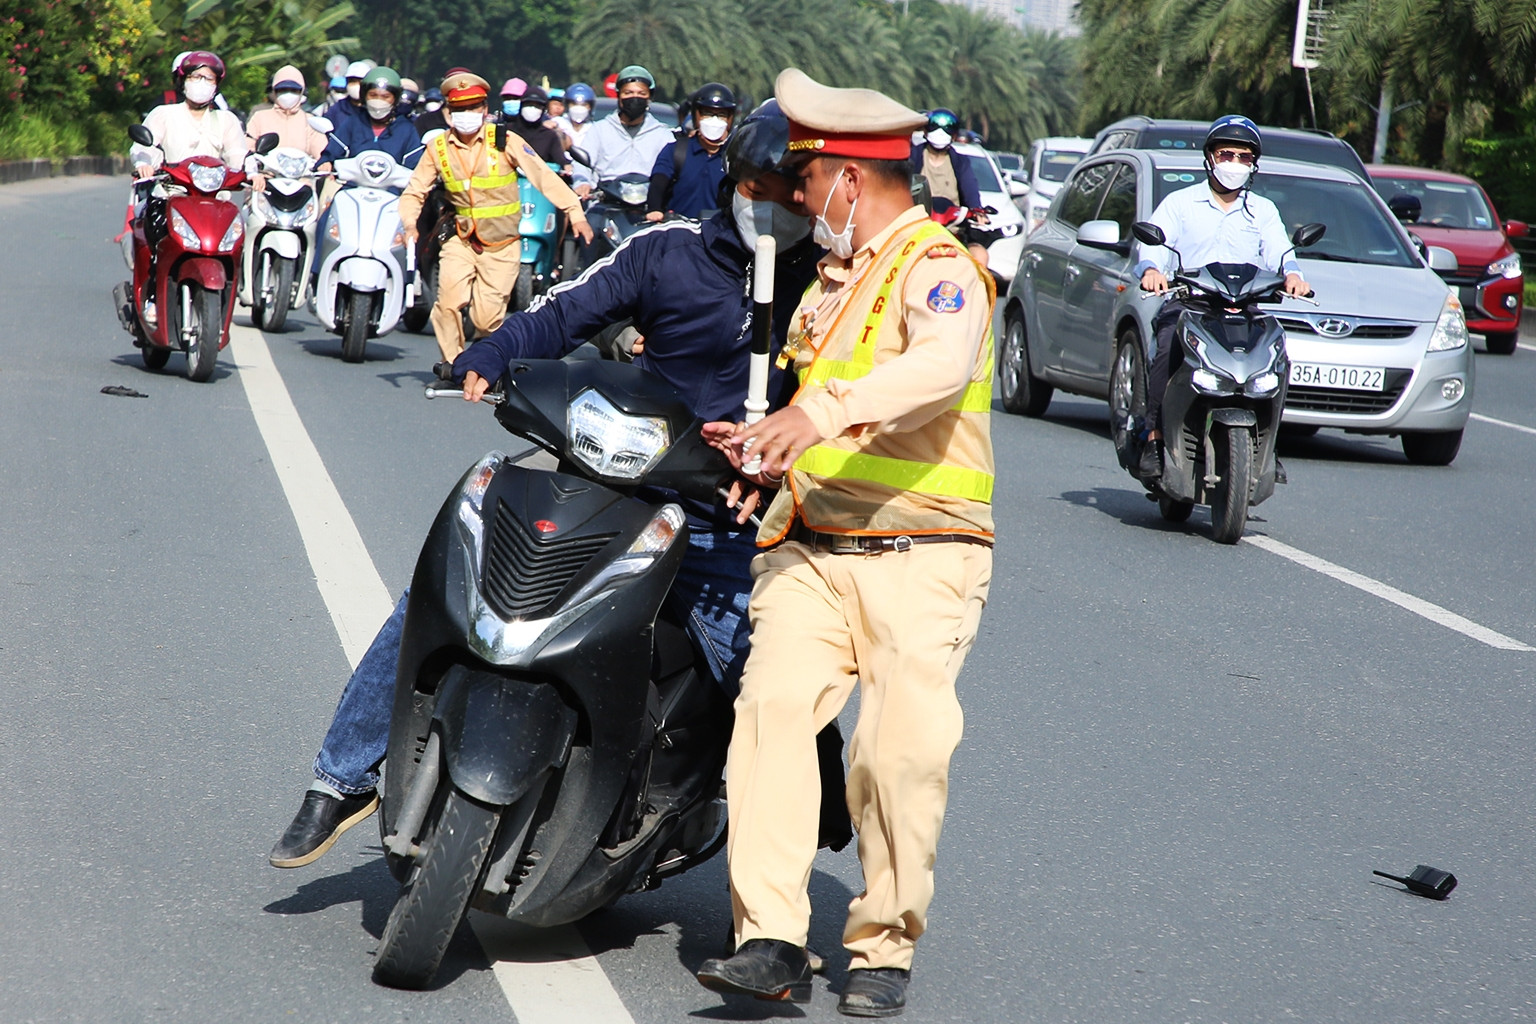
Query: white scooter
367,274
279,238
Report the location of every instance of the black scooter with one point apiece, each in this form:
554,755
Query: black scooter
1225,396
553,744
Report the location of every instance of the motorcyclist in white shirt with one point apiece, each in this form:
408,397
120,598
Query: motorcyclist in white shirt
196,126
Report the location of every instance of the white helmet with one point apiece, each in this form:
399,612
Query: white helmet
360,68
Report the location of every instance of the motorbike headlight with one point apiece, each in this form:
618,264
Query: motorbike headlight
1508,267
1210,383
1263,384
1451,328
207,179
232,236
652,543
290,165
612,443
634,193
185,233
472,500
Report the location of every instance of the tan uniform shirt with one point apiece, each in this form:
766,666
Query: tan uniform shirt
472,157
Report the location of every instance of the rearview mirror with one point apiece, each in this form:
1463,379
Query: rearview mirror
1103,234
1441,258
1406,208
1148,233
1516,228
266,143
320,124
1309,235
140,134
580,156
1016,188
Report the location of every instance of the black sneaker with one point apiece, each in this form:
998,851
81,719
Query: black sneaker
874,992
1151,466
321,820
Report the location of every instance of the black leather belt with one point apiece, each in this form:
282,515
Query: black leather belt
869,544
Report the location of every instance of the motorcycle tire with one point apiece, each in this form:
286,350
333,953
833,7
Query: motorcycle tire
1173,510
258,293
1023,392
433,901
522,291
282,298
1128,400
1229,503
202,338
155,357
354,326
570,259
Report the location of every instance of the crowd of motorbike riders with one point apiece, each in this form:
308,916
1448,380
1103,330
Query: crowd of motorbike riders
489,198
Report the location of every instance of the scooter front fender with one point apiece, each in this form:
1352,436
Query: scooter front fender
1230,417
210,272
284,243
499,735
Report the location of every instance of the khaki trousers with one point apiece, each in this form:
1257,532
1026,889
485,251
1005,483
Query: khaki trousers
900,625
482,281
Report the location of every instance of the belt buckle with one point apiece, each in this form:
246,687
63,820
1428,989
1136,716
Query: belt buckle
844,544
902,543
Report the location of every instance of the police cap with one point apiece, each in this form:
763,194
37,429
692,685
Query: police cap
465,89
858,123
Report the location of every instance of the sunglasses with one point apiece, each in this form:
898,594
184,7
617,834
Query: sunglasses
1242,156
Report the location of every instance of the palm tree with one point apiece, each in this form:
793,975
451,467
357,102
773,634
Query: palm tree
683,43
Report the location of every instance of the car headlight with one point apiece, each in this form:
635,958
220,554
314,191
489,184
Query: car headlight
207,179
653,542
1009,230
1451,328
185,233
1508,267
612,443
1263,384
232,236
1211,384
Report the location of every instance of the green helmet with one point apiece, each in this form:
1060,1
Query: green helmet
382,78
635,73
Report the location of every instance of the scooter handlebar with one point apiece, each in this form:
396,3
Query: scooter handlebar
489,398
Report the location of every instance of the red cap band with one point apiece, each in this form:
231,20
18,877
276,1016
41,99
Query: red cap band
858,145
469,94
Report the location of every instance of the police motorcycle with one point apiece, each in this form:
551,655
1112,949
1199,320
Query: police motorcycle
366,275
1226,389
553,744
182,254
279,237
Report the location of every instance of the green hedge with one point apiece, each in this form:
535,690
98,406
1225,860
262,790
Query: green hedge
34,134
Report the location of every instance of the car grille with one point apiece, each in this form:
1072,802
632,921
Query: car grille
1362,330
1344,400
523,573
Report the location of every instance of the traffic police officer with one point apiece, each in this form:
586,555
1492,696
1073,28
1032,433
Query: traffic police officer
478,163
879,557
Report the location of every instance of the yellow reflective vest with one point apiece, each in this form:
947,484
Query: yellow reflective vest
488,204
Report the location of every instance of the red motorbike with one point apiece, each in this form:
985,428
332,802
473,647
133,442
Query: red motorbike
183,254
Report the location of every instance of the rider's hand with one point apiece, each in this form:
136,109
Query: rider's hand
142,171
655,216
583,190
582,230
980,217
411,235
475,386
1154,281
1294,285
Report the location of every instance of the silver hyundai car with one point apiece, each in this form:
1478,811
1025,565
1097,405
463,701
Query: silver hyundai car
1385,350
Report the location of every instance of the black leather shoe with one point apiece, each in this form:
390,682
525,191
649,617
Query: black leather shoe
816,960
1151,466
765,968
321,820
874,992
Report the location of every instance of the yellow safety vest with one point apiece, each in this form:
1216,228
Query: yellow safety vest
873,484
488,206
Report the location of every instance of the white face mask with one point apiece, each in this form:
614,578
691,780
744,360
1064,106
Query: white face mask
1232,175
532,114
838,243
380,109
579,112
289,100
433,106
199,91
354,90
467,122
939,138
756,217
714,128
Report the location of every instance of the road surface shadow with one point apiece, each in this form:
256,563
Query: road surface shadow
376,351
1334,446
174,370
422,377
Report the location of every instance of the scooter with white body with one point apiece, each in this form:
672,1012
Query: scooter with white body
279,238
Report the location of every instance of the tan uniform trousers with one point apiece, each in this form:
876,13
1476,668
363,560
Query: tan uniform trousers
900,624
482,281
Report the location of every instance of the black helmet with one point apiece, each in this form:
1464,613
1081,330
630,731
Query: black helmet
758,145
714,96
1237,129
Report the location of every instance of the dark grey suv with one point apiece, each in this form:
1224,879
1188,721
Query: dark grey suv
1170,136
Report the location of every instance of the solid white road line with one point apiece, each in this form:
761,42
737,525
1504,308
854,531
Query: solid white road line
1503,423
1528,348
548,977
1418,606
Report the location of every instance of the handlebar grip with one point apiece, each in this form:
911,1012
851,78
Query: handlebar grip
443,370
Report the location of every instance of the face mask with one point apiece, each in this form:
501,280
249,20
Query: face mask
939,138
199,91
467,122
354,90
634,106
335,97
579,112
755,217
288,100
509,107
533,115
839,243
379,110
1232,175
433,106
714,128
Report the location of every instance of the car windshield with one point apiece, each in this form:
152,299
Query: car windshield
1319,149
986,178
1009,161
1055,165
1446,204
1359,231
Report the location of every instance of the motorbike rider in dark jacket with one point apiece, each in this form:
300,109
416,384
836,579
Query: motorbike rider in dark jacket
687,287
686,178
532,126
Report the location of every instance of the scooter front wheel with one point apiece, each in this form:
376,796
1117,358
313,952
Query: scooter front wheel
200,332
1229,503
435,898
277,292
354,330
155,357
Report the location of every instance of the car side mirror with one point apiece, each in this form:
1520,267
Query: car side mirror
266,143
1441,258
1516,228
1016,188
1103,234
140,134
1309,235
1406,208
1148,233
320,124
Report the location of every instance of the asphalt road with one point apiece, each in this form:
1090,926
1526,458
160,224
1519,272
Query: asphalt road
1181,762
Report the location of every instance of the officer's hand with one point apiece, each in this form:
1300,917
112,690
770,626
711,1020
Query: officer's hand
475,386
1294,285
1154,281
581,229
655,216
778,439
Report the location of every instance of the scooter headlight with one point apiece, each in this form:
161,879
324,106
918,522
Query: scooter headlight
612,443
1451,328
185,233
207,179
232,237
1262,385
634,193
472,500
653,542
1211,383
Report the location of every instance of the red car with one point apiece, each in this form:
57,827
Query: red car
1454,212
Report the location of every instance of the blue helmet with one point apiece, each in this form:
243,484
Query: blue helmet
581,92
1234,128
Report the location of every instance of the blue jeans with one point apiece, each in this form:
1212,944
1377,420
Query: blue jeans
710,595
